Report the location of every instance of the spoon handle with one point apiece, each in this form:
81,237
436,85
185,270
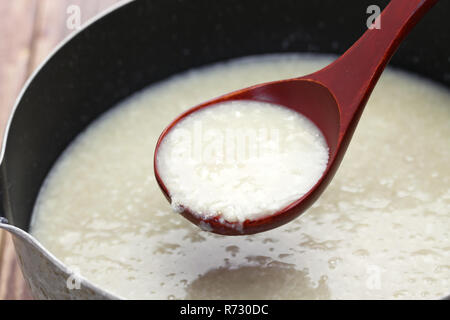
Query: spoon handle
353,76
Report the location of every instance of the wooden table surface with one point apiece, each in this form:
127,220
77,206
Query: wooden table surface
29,31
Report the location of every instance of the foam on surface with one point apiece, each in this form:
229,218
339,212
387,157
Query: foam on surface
380,230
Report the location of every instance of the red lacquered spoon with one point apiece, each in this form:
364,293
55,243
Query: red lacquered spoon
333,98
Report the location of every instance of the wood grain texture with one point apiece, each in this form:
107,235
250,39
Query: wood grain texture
17,19
29,31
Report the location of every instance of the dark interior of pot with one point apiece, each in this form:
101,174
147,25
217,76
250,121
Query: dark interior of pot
146,41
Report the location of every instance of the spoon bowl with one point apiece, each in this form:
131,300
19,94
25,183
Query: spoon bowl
332,98
305,96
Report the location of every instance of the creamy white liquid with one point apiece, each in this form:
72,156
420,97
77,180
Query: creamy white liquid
241,160
380,230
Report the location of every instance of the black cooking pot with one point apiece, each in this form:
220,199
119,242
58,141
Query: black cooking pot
143,42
